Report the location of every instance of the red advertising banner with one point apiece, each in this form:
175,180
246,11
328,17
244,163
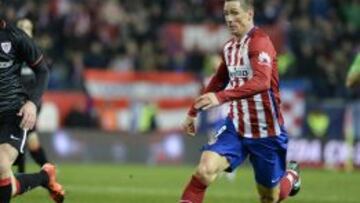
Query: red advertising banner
177,88
122,97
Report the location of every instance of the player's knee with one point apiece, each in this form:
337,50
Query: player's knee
5,165
268,195
207,172
33,142
33,146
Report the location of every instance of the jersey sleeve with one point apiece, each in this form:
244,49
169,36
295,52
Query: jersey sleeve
217,83
262,57
27,50
219,80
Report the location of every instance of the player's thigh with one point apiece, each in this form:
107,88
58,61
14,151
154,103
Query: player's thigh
8,155
227,144
268,157
212,162
268,195
11,132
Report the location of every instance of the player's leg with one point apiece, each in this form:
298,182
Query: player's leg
20,184
20,163
16,185
289,186
35,149
57,193
268,157
12,139
268,173
224,152
291,181
210,165
268,195
45,178
7,157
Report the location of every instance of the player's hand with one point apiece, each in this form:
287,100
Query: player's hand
189,125
206,101
28,114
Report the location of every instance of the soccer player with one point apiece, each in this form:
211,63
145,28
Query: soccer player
28,81
353,77
18,113
247,78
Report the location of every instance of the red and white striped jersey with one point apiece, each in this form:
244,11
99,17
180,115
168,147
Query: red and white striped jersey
248,79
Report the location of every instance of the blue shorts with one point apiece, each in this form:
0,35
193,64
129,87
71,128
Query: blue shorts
267,155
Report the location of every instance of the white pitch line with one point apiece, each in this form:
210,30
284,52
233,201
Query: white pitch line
168,192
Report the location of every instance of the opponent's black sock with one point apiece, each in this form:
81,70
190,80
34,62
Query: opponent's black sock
39,156
5,190
26,182
20,163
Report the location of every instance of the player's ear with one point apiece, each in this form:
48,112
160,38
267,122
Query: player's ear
250,14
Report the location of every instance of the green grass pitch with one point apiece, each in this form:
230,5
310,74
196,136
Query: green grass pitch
95,183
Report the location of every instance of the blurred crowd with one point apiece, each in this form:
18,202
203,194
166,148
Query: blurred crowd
320,37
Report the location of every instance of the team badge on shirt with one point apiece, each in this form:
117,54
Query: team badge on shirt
264,59
6,47
214,138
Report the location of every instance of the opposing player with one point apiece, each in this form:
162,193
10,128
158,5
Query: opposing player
18,113
247,78
28,81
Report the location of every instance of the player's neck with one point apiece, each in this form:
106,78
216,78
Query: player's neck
247,30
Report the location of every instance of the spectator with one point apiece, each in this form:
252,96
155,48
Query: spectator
128,35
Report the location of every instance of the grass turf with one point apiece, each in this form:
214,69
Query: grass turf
95,183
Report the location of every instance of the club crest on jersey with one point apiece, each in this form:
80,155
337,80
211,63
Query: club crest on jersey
6,47
264,59
214,137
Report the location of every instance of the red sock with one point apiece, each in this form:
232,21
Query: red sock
286,184
194,191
